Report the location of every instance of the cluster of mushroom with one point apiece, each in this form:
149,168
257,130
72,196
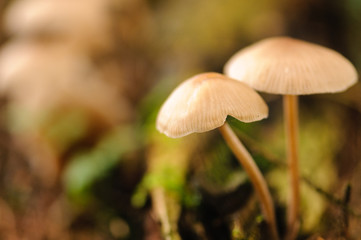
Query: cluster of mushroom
278,65
48,75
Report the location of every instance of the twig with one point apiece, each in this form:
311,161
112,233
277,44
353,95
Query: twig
270,157
332,199
346,201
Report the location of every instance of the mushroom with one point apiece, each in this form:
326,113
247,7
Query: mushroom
44,96
202,103
291,67
86,28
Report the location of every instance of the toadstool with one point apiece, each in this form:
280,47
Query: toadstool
85,28
202,103
291,67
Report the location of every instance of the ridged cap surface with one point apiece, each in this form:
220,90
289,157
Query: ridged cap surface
202,103
283,65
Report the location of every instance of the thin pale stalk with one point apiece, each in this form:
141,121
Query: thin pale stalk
161,207
290,106
255,176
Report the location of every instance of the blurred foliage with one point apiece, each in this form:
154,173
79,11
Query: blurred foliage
62,129
81,83
87,167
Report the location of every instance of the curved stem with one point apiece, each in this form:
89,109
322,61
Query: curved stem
290,105
255,176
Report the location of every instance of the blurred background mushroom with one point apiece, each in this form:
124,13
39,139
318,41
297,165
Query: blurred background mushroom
68,22
82,81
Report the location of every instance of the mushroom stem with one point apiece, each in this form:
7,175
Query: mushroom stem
256,177
290,104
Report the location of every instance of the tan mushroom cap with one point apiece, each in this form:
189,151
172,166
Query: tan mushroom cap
283,65
203,102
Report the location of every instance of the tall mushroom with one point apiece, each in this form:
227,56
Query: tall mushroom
202,103
291,67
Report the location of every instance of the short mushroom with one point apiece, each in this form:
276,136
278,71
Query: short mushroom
202,103
291,67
